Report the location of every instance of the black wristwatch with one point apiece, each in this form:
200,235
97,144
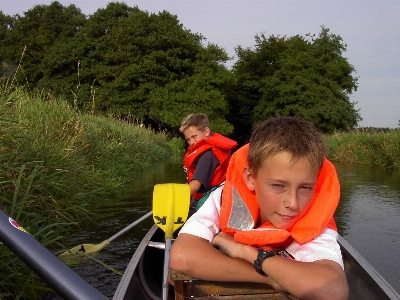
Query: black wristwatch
263,253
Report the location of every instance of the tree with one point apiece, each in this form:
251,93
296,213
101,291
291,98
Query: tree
121,60
141,64
200,92
40,29
6,23
302,77
245,93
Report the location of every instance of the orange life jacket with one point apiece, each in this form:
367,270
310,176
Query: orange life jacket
221,146
240,212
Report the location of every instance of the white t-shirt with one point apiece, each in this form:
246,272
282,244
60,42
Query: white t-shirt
205,224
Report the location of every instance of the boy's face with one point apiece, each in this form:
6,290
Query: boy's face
283,188
193,135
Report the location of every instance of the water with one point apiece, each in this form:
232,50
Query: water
113,215
368,217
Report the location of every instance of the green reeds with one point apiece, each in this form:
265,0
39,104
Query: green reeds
375,148
54,163
120,148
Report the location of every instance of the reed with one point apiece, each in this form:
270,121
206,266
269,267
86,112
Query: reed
54,163
366,147
178,146
121,148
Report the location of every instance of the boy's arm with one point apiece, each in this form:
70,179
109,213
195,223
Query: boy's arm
322,279
198,258
193,254
194,186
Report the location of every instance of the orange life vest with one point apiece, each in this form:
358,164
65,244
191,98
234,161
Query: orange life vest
221,146
240,212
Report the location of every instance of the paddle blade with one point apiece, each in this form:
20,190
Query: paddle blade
86,248
170,206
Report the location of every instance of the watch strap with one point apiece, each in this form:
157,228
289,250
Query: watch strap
263,253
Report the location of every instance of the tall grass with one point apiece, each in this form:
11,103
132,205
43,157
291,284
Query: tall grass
373,148
120,148
53,164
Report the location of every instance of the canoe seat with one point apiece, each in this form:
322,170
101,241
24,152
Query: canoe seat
187,287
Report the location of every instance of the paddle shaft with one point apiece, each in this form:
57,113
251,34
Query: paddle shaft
130,226
61,278
165,284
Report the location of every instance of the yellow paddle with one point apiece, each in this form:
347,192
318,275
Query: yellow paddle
91,248
170,210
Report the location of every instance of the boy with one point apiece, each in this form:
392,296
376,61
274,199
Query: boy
208,155
280,191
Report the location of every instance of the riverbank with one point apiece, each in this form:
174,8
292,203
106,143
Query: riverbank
54,164
373,147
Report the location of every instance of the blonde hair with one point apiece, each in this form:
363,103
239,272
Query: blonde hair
297,137
200,121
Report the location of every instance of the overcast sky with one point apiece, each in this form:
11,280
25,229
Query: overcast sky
371,30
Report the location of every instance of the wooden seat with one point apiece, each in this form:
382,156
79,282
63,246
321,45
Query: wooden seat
187,287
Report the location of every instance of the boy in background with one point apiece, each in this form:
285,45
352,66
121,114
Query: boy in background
272,220
207,158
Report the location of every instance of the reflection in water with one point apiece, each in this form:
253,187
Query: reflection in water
368,216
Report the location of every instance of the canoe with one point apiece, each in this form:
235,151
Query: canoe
142,278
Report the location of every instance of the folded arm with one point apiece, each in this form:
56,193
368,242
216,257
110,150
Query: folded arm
198,258
322,279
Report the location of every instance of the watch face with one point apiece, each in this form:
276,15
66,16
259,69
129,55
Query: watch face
266,251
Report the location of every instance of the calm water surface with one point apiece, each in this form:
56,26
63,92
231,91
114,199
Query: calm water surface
368,217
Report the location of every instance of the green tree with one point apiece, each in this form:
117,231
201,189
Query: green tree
146,65
198,90
302,77
6,23
40,29
245,93
120,60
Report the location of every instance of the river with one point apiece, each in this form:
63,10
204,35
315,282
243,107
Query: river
368,217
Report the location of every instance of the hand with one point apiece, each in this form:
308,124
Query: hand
230,247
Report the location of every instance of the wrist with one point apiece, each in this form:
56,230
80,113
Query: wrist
264,253
250,254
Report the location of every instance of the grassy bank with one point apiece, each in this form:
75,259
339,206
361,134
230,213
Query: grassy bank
374,148
54,163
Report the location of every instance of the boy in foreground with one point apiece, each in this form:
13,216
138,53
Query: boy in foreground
207,158
280,191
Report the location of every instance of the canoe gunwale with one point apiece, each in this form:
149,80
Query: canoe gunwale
130,269
366,270
363,278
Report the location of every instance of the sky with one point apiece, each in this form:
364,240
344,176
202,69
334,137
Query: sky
370,29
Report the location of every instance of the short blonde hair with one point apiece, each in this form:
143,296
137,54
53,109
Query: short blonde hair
200,121
297,137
